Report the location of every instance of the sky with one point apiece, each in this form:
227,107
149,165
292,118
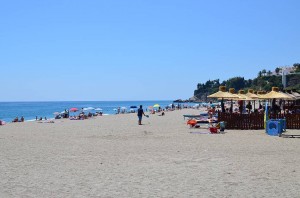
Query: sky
99,50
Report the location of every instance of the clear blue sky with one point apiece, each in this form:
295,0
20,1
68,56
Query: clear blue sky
139,50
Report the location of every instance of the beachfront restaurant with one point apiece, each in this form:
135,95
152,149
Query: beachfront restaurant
272,105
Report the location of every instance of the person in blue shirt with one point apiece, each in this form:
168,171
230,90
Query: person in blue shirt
140,114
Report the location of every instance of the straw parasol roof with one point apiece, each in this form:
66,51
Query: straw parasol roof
292,97
296,94
260,93
232,91
275,94
222,94
251,94
243,95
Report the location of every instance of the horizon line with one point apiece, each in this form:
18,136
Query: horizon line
89,100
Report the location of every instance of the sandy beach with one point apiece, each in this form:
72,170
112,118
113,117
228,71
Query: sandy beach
112,156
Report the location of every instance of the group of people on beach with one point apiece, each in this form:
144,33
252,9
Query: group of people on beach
82,115
18,120
22,119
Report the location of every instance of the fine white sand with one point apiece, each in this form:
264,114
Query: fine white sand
112,156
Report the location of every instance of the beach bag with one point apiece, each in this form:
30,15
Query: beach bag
213,129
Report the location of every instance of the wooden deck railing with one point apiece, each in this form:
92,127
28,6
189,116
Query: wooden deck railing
256,120
292,120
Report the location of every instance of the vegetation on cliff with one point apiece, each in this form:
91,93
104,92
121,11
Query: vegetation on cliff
265,80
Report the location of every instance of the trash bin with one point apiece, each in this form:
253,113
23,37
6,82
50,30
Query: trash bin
282,124
273,127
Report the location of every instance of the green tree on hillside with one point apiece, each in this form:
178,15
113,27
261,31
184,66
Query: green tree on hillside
293,81
259,74
265,81
237,83
297,67
248,83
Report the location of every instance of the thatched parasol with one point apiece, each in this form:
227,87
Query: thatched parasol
275,94
222,94
292,97
297,95
251,94
232,91
243,95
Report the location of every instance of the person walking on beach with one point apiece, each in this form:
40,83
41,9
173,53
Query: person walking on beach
140,114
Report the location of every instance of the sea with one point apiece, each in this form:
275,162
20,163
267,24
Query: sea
31,110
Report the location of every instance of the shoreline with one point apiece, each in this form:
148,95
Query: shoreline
29,110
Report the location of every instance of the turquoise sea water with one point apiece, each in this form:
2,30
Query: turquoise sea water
10,110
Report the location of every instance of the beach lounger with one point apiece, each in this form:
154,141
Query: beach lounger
289,135
192,123
191,116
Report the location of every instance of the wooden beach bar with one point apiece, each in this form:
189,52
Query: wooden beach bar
253,120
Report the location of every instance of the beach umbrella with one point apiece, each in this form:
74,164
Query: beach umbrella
243,96
275,94
251,94
297,95
222,94
98,109
56,113
88,109
291,97
73,109
260,94
133,107
156,106
232,91
123,108
115,109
